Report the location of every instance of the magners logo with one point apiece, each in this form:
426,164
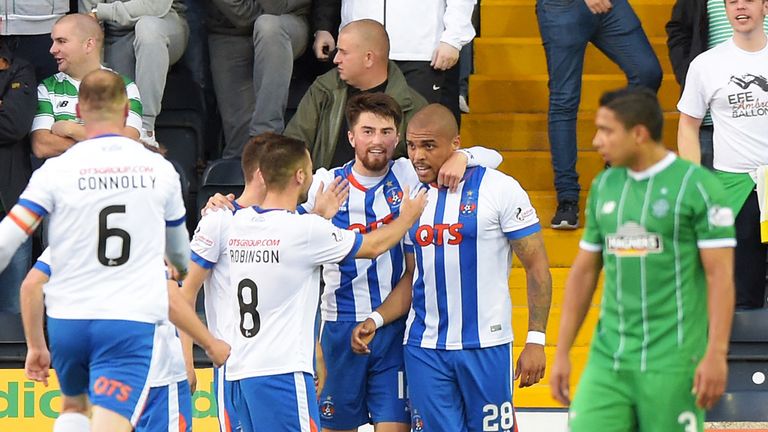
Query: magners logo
632,240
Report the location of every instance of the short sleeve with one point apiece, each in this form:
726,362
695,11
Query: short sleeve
175,211
43,262
713,219
694,101
328,244
592,239
207,245
38,196
44,115
135,108
517,216
323,176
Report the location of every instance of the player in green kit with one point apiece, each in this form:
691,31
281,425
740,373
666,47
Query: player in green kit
658,226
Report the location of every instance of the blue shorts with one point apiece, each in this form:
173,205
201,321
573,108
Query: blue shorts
363,388
168,409
277,403
461,390
106,359
225,410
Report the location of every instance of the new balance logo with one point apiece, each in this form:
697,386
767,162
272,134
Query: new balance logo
62,104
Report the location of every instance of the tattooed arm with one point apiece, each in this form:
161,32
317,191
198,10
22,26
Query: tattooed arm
530,249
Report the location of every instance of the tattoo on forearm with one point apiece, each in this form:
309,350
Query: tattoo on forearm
530,250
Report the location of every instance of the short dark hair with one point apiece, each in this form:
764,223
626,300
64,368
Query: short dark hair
635,106
252,151
379,104
280,158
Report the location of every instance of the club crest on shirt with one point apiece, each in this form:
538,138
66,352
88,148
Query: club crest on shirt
468,204
660,208
327,410
417,423
393,194
633,240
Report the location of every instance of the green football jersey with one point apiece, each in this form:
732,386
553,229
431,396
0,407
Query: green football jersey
650,227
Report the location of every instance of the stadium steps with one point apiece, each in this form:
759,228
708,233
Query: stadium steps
528,131
529,93
517,18
501,56
508,99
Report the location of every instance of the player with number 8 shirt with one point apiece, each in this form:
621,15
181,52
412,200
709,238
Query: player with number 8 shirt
275,257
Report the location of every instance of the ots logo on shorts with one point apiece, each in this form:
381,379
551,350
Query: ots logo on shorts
112,387
327,409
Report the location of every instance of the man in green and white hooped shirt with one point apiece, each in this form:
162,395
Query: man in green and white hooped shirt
731,80
659,227
76,47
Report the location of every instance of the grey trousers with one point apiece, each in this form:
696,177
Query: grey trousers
251,76
145,54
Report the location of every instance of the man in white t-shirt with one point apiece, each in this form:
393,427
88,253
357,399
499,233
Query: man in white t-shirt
115,212
275,256
731,80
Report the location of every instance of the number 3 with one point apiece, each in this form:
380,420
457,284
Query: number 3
688,419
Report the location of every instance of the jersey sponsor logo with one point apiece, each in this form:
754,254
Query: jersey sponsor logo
632,240
524,214
201,238
327,410
62,104
439,234
254,242
364,229
720,216
112,387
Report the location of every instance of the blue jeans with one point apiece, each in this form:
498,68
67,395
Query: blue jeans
566,27
12,276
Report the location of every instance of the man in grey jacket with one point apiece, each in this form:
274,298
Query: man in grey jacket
252,45
142,39
25,28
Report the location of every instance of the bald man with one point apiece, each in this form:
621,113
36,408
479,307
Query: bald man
76,46
362,65
458,337
120,207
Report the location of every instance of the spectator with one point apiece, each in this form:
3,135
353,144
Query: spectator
362,66
426,50
729,80
17,109
142,40
566,29
696,26
252,45
77,41
25,28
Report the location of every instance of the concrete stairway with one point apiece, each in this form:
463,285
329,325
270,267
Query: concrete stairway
508,100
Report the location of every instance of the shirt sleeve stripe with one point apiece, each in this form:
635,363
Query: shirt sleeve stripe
43,267
523,232
590,247
33,207
409,248
202,262
301,210
716,243
177,222
355,247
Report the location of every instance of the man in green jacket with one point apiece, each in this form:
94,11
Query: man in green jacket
363,65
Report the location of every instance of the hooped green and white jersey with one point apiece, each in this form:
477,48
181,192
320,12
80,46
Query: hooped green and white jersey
57,99
650,226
